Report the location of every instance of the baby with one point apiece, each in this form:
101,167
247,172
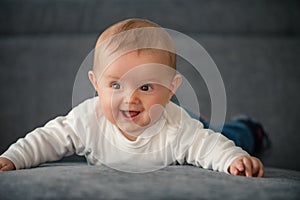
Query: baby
132,125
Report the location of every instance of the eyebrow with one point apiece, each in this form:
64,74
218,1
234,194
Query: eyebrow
112,77
145,81
152,80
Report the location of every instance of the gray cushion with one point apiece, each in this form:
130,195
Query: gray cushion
80,181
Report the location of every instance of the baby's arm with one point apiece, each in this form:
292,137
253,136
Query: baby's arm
212,150
49,143
246,166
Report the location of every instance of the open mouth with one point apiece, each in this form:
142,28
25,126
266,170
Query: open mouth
130,114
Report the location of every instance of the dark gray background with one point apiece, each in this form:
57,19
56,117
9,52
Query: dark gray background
255,44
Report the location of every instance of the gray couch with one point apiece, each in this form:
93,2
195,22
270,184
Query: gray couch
80,181
255,44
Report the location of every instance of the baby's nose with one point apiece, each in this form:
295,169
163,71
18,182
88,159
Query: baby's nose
131,97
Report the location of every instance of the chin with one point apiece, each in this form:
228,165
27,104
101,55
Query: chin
132,128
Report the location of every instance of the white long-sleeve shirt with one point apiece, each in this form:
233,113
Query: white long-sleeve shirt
174,138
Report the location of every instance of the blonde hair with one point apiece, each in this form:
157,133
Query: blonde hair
133,35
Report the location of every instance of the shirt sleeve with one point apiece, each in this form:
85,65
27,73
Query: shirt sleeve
212,150
58,138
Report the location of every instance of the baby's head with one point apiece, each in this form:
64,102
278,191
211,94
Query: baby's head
134,74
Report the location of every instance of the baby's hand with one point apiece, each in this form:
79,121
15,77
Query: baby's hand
6,165
247,166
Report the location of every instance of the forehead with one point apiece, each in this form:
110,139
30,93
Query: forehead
135,59
140,66
144,56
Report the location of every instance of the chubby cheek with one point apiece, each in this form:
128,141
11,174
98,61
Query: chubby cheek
108,108
155,107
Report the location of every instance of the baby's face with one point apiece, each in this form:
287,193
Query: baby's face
134,90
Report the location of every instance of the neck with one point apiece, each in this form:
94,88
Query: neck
129,136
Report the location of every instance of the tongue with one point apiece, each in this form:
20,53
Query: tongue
131,113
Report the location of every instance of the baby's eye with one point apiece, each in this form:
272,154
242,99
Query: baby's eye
116,86
146,87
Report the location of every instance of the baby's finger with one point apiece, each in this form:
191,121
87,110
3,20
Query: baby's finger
232,170
248,166
6,168
255,166
3,168
260,172
235,171
240,165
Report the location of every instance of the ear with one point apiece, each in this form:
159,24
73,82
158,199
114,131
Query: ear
93,80
176,82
